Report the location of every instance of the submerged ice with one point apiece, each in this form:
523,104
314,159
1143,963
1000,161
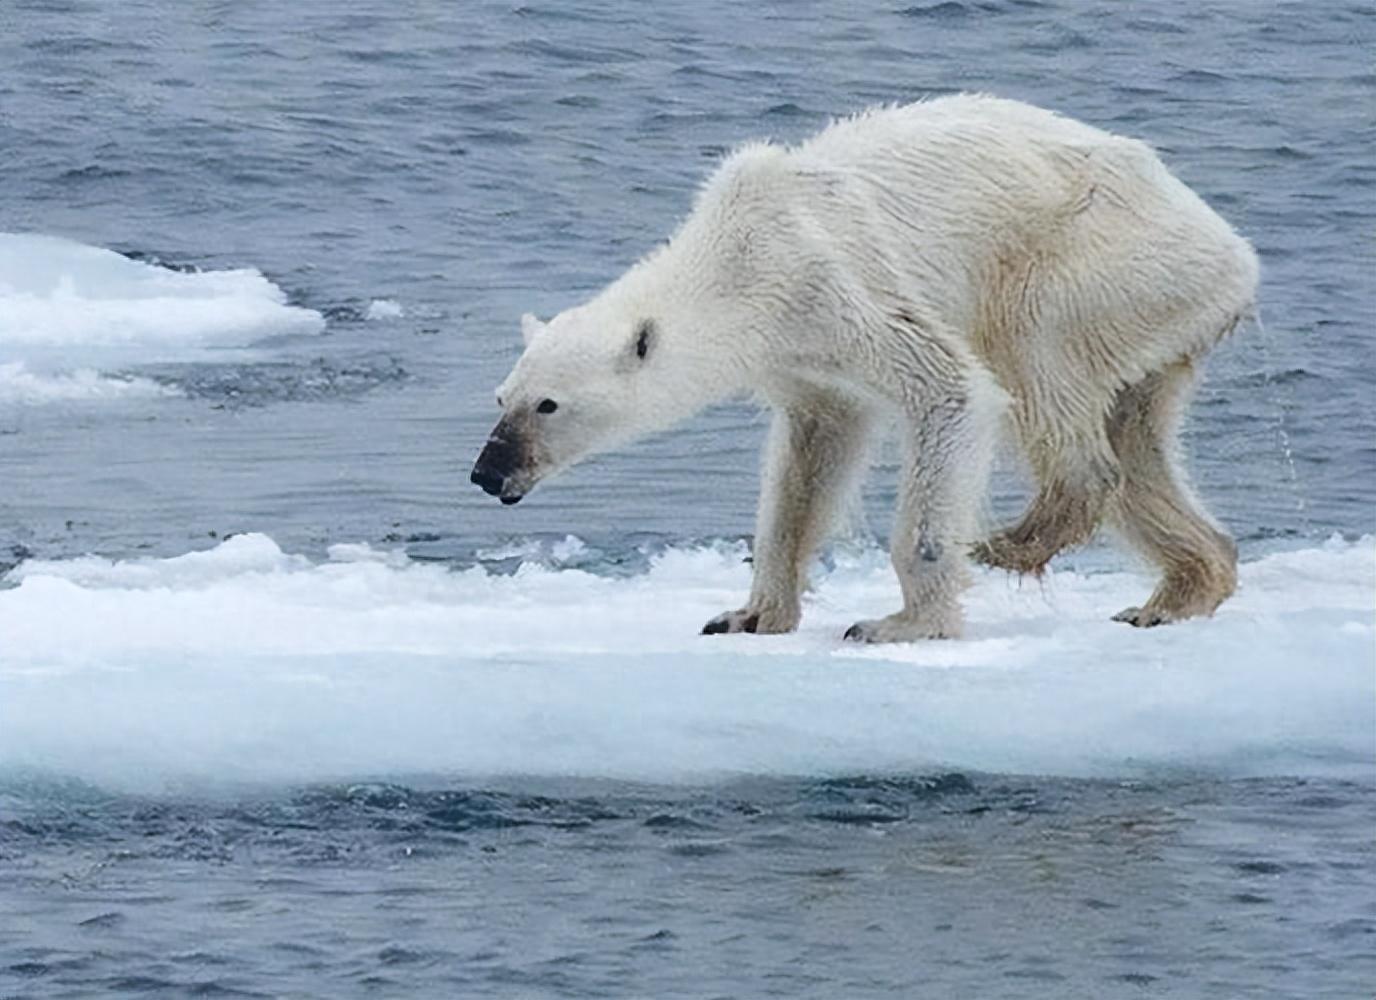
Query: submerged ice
247,663
24,387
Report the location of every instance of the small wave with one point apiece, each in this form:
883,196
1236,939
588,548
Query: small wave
788,110
1200,76
92,172
546,50
235,386
950,10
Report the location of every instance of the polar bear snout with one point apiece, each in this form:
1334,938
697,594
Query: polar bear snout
501,466
490,482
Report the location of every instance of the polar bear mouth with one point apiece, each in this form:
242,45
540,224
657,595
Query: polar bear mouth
495,484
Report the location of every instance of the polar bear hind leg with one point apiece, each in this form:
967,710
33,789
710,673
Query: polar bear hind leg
1155,509
1076,479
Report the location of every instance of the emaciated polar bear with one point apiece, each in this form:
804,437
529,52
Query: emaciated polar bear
947,262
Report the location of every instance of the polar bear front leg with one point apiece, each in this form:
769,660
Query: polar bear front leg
815,451
948,448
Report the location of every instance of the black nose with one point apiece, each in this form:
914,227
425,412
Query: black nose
489,481
502,458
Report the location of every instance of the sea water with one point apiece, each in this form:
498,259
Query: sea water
287,708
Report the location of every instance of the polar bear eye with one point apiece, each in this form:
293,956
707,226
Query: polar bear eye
642,339
547,406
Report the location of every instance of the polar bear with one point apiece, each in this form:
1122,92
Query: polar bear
957,266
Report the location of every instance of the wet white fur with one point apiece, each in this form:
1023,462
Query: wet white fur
946,262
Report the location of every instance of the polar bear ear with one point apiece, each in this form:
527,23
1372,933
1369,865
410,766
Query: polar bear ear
530,327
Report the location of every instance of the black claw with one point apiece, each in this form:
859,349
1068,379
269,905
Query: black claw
750,624
716,626
853,632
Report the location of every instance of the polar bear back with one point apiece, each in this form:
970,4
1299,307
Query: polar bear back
1047,243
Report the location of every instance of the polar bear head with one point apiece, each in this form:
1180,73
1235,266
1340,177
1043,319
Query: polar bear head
594,377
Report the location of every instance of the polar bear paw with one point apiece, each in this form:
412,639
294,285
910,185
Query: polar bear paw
903,627
761,621
1006,551
1143,617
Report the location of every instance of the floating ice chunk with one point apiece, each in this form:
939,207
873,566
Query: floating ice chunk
245,662
524,549
567,549
56,293
383,309
346,552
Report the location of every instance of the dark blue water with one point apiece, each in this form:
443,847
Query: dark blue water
475,160
943,886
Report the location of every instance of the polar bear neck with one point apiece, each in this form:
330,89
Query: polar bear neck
701,325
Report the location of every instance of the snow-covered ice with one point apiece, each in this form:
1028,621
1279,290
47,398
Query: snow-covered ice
247,663
55,291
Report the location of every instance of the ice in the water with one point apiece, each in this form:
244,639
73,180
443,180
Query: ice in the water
56,292
382,309
65,306
246,662
20,386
